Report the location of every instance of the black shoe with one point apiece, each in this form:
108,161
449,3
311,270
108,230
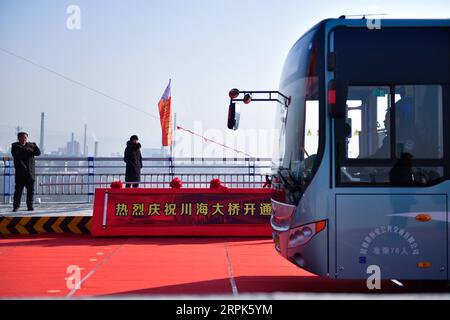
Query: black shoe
30,209
15,209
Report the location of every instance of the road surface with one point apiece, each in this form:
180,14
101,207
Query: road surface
36,267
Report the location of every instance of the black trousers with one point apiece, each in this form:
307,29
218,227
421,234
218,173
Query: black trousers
20,184
135,185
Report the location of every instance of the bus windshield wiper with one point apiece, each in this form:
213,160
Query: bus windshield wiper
289,181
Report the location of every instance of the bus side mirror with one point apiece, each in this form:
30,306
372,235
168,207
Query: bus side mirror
337,98
233,116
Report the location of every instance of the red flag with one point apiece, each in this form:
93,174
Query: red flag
165,114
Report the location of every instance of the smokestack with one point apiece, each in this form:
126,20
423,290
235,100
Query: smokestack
41,140
72,144
85,151
18,129
96,149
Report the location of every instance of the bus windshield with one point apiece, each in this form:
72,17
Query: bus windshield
295,156
393,132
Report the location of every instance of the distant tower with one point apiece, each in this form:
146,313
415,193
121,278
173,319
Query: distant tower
96,149
85,149
72,145
18,129
41,140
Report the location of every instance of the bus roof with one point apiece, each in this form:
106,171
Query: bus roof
331,23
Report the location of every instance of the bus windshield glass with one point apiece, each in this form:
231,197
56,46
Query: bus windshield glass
295,156
393,132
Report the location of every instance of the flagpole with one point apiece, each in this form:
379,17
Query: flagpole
174,127
172,145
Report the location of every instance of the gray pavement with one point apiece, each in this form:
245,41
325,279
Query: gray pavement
49,210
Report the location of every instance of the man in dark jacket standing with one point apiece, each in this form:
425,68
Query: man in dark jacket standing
23,153
133,159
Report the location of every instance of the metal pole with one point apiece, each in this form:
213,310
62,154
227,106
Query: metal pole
174,134
10,188
105,209
91,178
10,175
6,184
172,147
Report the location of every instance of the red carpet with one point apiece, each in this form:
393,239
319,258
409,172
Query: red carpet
36,267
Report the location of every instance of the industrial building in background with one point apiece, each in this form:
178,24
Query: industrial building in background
41,140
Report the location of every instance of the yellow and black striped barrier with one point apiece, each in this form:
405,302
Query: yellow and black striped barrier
42,225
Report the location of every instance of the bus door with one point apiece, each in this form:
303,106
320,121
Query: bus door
391,165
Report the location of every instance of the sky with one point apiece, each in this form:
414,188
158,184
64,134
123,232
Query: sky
111,71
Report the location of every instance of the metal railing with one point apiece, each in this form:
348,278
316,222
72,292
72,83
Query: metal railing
75,179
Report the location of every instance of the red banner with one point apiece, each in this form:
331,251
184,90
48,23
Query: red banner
165,114
135,212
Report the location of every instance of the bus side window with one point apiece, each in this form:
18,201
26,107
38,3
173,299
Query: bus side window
368,115
419,135
311,133
419,121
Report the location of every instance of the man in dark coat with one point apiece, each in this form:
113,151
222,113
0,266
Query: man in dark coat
24,164
133,159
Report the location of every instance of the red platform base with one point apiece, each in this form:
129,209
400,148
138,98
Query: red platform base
183,212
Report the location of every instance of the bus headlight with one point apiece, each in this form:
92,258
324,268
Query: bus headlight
301,235
281,215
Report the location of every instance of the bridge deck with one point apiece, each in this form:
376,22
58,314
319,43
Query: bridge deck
36,267
49,210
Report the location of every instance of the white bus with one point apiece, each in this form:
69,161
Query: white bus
364,150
